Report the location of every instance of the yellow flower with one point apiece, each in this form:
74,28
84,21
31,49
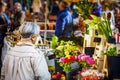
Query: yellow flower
60,48
68,56
66,53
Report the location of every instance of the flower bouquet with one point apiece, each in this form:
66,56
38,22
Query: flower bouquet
101,25
69,58
58,76
85,60
65,63
90,74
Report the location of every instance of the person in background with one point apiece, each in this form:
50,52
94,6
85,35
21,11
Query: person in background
97,9
25,61
54,9
4,24
19,16
72,8
64,18
25,4
8,10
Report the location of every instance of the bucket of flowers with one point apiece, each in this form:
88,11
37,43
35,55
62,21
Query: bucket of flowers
65,56
90,74
70,59
58,76
84,60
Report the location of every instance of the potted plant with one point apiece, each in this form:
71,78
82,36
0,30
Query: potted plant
111,51
113,63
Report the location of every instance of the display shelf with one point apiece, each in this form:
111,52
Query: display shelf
45,23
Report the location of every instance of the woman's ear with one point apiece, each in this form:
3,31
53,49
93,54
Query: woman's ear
33,39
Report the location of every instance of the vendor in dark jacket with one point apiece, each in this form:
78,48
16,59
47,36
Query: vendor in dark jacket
4,24
4,21
64,18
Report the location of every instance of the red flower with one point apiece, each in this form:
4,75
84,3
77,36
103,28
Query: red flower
109,15
66,60
72,58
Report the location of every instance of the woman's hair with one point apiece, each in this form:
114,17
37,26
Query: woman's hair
29,29
64,4
2,4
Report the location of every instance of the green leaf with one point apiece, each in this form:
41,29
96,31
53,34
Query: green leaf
54,41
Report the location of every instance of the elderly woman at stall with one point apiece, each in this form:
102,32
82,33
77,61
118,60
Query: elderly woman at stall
25,61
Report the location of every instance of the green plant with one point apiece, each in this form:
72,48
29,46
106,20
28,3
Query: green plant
102,26
93,22
54,42
111,51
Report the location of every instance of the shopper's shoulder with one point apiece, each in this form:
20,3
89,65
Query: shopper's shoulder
24,51
38,53
64,14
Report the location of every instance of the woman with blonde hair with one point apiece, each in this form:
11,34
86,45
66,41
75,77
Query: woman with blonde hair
25,61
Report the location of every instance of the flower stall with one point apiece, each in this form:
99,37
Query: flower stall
89,57
91,52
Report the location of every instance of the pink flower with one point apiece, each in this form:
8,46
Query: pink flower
86,58
61,59
76,57
90,61
81,57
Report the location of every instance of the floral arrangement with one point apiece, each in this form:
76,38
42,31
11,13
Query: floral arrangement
68,53
105,25
91,74
58,76
65,63
85,60
82,59
65,49
102,25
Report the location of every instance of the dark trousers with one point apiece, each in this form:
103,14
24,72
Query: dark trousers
1,45
0,57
